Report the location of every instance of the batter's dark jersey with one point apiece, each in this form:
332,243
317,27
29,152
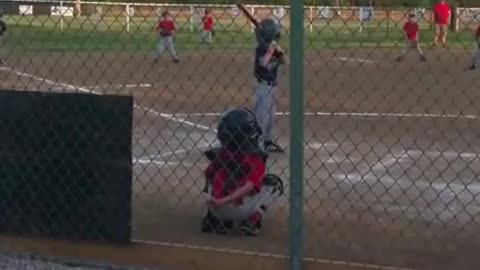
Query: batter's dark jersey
262,73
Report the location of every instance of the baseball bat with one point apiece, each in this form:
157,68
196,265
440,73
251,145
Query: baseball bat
253,20
248,15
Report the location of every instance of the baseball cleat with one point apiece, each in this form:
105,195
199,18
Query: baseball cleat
176,61
250,229
399,59
423,58
472,67
211,224
272,147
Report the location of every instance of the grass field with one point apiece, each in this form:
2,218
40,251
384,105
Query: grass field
43,33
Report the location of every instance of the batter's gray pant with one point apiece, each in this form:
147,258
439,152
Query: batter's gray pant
265,108
411,45
251,204
166,43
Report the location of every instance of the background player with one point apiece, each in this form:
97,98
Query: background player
411,31
476,53
441,16
166,29
237,188
207,23
3,30
268,58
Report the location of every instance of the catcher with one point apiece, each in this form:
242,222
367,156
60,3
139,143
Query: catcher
238,190
166,28
411,31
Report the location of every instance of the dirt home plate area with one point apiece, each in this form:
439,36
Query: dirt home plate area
391,156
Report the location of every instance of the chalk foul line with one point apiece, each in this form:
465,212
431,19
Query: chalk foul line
270,255
91,91
349,114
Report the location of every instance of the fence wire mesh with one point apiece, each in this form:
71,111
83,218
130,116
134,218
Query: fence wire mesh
391,142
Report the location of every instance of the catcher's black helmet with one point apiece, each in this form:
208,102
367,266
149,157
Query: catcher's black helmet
239,130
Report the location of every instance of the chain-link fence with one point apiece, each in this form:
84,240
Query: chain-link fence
106,131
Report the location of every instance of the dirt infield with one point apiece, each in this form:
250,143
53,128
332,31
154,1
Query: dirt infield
391,150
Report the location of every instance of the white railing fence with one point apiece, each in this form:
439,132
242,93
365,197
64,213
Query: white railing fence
354,17
192,13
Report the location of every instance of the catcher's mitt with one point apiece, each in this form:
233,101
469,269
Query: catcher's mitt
274,180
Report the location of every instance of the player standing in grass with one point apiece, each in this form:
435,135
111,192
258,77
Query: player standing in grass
441,16
166,29
3,29
412,33
207,33
476,54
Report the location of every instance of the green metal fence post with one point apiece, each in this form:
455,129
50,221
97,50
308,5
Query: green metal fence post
296,133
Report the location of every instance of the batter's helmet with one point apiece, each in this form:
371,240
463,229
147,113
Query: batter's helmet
267,31
239,130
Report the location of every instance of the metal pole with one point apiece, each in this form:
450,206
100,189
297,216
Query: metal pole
61,15
311,19
388,23
127,19
192,13
296,134
252,11
361,19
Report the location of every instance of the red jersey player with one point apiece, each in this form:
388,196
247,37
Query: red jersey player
441,16
412,34
207,31
237,188
166,29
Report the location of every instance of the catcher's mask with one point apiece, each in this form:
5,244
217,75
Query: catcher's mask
239,130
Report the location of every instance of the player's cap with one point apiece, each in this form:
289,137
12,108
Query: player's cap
411,14
165,13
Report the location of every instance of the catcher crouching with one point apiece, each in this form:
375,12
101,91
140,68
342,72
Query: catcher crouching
237,188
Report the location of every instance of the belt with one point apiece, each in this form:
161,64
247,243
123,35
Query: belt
269,83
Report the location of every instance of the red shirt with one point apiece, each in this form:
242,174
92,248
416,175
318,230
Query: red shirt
477,33
411,29
441,12
207,23
234,170
166,26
